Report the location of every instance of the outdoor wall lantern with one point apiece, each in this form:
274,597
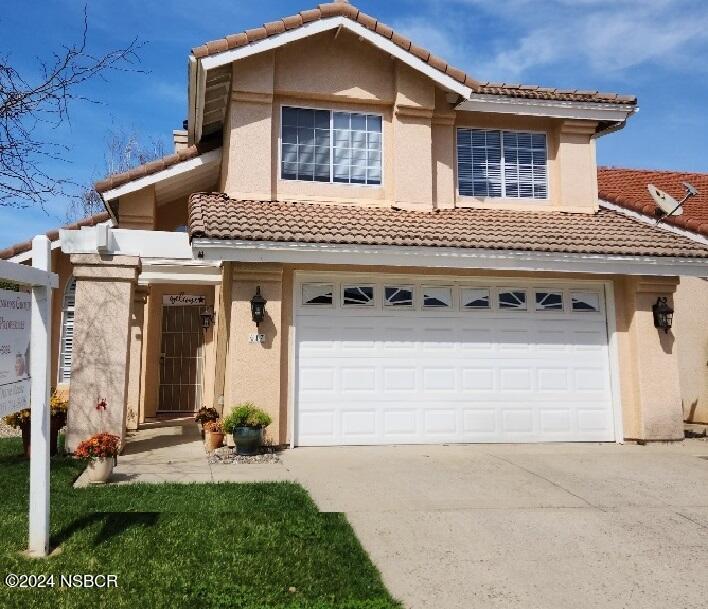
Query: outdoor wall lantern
258,304
663,314
207,316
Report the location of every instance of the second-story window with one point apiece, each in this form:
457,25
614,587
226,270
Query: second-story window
493,163
331,146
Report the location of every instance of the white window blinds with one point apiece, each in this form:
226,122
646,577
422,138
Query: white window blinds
492,163
326,146
66,344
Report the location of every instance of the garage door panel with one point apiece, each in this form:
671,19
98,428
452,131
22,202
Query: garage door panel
382,376
440,421
479,421
477,379
397,379
439,379
516,420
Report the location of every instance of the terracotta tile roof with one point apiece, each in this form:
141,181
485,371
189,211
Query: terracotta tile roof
344,9
118,179
628,188
214,215
53,235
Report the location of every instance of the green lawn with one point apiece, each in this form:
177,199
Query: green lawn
197,546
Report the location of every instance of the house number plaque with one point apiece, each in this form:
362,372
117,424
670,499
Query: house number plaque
256,338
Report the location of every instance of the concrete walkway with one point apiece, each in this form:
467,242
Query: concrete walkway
494,526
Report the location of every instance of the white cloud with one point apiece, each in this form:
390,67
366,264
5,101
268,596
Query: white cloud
504,41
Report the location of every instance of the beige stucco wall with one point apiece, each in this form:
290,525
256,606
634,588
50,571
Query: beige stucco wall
104,299
254,369
138,209
338,71
691,331
650,402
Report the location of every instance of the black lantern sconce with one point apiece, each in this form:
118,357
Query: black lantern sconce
663,314
258,304
207,317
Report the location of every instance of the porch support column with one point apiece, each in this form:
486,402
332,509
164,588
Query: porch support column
99,368
135,358
253,369
650,372
221,335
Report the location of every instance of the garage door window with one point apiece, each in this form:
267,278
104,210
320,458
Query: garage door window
436,297
514,300
475,298
549,301
317,294
357,295
585,302
398,296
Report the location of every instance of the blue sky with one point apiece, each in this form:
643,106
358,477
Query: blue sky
656,49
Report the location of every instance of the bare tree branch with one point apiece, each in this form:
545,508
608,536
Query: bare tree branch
125,149
26,105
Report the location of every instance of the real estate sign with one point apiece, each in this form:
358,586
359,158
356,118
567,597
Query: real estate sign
15,310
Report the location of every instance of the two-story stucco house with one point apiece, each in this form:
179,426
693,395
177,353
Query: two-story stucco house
434,259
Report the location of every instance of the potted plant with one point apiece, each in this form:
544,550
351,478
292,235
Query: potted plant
246,422
58,405
214,435
204,415
100,450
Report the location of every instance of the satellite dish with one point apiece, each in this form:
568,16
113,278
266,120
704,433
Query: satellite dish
669,205
665,202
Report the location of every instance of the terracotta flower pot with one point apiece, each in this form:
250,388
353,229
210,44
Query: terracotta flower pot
214,440
55,424
100,470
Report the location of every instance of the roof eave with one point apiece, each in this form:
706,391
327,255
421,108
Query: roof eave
604,112
447,257
198,67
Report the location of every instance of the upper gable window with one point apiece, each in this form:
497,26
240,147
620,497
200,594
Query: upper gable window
329,146
507,164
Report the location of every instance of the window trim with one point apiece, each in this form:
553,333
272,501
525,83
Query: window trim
451,307
319,305
331,111
503,198
503,289
400,286
360,305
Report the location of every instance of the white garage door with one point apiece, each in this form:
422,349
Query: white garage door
409,362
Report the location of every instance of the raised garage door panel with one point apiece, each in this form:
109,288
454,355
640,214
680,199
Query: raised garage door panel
407,376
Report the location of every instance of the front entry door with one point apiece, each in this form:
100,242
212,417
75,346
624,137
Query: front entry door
181,359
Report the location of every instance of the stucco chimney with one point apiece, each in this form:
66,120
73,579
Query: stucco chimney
180,138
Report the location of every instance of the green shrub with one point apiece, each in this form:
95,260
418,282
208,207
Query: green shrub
246,414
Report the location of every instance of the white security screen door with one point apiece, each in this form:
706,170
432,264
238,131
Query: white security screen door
404,362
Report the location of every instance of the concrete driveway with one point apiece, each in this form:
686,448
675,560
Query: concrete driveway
545,526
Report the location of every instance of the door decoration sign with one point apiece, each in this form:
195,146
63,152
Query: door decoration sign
15,312
183,300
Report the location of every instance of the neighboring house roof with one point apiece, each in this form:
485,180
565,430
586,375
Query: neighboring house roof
216,216
344,9
146,169
53,235
628,188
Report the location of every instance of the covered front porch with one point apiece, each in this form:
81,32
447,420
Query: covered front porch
172,450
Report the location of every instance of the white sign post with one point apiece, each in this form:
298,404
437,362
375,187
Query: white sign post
40,368
17,328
